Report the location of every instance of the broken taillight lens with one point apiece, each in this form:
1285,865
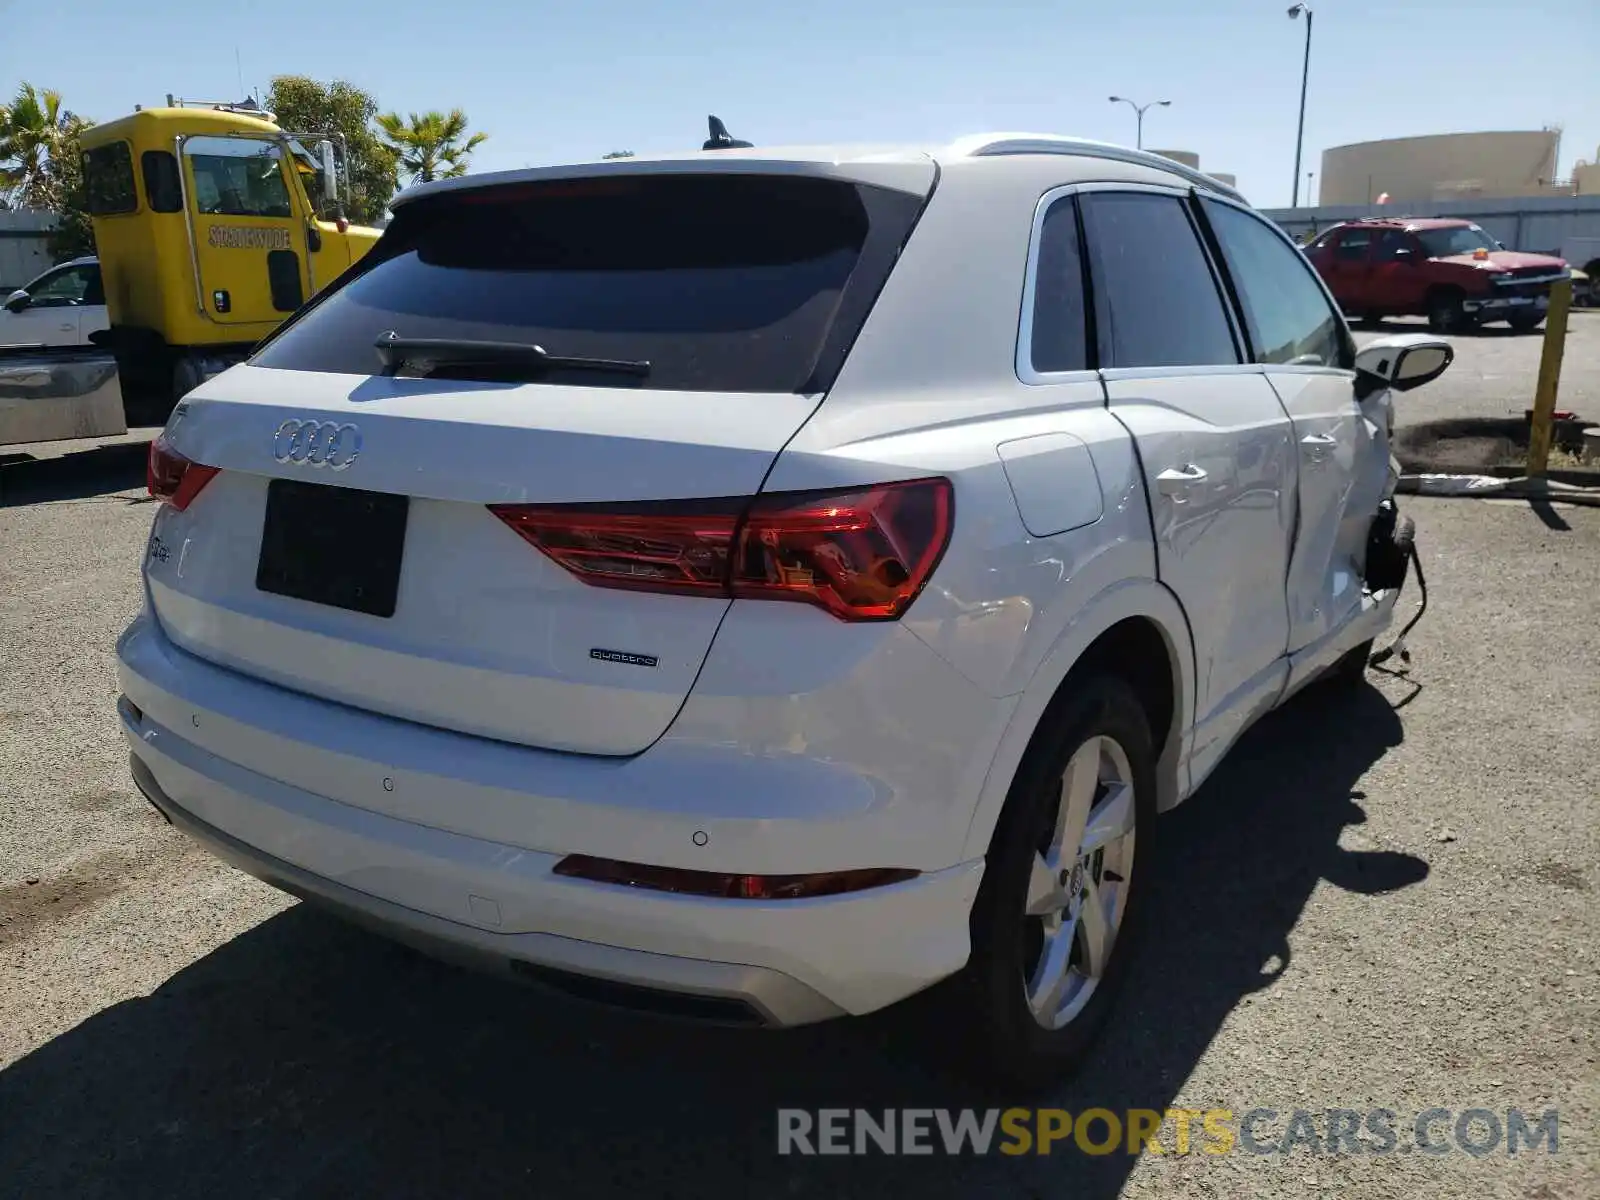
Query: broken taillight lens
863,554
172,478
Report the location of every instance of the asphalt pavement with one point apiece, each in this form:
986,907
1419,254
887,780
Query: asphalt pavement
1383,899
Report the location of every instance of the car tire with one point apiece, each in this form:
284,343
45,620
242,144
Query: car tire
1447,311
1525,323
1023,965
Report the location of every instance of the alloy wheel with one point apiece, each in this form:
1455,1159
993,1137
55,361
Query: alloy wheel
1078,886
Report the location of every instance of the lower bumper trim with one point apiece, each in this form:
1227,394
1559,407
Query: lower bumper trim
718,1010
708,992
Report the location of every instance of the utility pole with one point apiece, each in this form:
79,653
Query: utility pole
1139,111
1305,76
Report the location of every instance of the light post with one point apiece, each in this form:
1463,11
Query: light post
1139,111
1305,76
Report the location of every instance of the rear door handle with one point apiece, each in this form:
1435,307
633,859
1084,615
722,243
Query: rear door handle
1317,445
69,327
1177,481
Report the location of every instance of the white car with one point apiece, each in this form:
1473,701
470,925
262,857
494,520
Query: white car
62,307
761,584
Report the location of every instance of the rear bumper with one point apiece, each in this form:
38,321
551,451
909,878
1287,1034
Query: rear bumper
727,993
496,902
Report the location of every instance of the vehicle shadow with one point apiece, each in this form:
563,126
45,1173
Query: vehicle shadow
307,1058
86,473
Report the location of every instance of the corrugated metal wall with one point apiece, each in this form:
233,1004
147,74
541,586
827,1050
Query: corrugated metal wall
24,247
1531,223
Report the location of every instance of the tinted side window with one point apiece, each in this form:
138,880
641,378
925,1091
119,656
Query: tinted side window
1289,318
1060,317
1158,297
161,187
108,180
1392,241
1353,245
67,286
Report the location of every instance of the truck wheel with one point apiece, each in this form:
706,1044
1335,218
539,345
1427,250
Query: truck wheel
1446,311
187,375
1525,322
1054,924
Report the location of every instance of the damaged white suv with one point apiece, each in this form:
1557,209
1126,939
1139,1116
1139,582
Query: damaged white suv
759,584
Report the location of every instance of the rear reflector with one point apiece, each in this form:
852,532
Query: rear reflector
863,554
172,478
728,887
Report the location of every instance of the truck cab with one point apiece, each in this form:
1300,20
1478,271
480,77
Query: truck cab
212,225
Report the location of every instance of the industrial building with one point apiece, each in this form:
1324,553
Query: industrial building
1442,168
1192,160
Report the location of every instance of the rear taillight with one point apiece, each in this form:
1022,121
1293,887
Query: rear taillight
863,553
171,477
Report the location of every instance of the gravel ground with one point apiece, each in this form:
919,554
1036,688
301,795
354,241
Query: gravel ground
1495,371
1382,900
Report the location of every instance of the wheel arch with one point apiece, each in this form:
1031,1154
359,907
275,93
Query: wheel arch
1137,625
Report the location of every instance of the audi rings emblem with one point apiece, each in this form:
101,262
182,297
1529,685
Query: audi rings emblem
317,444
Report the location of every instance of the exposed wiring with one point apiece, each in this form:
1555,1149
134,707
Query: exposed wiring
1398,646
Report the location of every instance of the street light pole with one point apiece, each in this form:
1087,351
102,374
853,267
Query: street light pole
1139,110
1305,77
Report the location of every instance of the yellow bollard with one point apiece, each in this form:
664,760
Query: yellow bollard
1544,397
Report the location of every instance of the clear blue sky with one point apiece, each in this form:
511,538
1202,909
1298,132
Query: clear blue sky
553,82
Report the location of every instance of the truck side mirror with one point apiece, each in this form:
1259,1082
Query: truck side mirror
1404,255
17,301
330,175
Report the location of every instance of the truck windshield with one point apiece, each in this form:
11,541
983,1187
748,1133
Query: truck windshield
720,282
1460,239
237,177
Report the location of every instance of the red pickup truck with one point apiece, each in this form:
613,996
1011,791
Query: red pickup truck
1449,271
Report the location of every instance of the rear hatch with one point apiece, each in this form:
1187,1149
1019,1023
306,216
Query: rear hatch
346,548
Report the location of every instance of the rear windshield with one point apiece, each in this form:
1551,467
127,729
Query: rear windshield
721,282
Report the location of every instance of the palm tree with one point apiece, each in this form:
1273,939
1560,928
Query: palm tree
431,146
35,132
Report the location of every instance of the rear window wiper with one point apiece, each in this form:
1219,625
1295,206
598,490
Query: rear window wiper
397,351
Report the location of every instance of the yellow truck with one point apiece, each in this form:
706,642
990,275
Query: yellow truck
210,225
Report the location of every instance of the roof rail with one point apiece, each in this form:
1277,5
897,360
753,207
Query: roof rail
984,145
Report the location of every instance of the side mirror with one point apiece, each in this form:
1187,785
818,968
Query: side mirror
1401,362
17,301
1404,255
330,173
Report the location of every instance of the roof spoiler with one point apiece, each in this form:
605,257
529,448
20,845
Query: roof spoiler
721,139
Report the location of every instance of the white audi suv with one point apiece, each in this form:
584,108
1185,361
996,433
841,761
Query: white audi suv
760,584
